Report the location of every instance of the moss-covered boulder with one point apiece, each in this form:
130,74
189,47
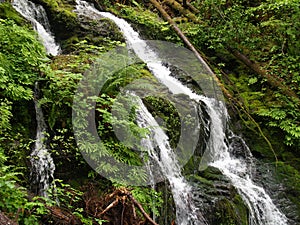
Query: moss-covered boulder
8,12
63,20
218,199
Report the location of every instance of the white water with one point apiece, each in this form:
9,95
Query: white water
42,163
37,16
164,156
218,153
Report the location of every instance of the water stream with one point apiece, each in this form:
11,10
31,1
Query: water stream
37,16
186,212
220,148
42,171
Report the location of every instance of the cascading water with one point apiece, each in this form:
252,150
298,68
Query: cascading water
43,167
37,16
238,170
42,171
186,212
220,149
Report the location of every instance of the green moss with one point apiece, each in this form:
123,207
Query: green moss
166,111
231,212
8,12
61,16
147,23
290,177
202,180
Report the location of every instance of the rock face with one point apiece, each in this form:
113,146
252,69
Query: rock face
95,30
71,28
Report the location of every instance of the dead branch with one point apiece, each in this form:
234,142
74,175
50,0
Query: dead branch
141,209
124,197
272,80
191,7
190,46
185,12
111,205
62,216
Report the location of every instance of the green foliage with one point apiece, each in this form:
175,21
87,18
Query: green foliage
70,199
8,12
57,101
6,114
151,200
13,197
20,57
286,118
267,32
149,24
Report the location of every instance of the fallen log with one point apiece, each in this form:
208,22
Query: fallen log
191,7
272,80
201,60
185,12
61,216
190,46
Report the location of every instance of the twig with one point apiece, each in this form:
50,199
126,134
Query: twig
111,205
141,209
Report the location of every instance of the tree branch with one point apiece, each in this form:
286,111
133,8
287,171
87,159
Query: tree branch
190,46
272,80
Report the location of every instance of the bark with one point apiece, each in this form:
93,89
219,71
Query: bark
190,6
184,12
61,216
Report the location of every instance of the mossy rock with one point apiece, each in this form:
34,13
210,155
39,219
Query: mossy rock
290,178
149,25
8,12
63,20
70,28
230,212
93,29
221,201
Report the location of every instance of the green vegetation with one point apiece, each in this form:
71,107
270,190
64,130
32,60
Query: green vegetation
265,103
20,58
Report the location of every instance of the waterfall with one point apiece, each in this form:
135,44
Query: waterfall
42,171
43,167
220,151
37,16
164,156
